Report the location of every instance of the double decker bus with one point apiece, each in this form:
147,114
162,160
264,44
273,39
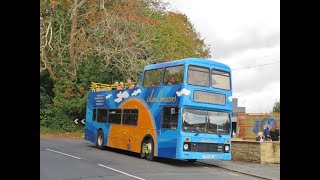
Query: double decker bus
179,109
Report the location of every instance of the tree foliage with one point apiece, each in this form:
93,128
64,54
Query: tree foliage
276,106
176,38
102,41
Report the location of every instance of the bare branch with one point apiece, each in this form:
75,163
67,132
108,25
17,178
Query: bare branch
81,3
50,38
47,32
44,62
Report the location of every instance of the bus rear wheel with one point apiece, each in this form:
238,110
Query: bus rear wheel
100,140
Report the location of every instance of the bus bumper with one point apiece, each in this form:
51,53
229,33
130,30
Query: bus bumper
204,155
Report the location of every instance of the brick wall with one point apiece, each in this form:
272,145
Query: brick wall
267,152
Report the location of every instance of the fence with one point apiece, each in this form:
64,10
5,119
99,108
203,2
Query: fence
246,122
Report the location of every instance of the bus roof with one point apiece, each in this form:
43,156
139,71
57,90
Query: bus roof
195,61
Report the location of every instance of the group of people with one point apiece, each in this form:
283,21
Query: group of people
121,86
269,134
130,85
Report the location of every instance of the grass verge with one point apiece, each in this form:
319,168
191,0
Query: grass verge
44,131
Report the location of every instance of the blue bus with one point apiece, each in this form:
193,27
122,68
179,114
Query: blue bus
179,109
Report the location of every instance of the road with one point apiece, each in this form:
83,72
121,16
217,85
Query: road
77,159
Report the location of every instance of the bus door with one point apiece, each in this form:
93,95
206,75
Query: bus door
99,120
167,134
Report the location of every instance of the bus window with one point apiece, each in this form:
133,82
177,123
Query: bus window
206,121
130,116
195,120
115,116
152,77
219,122
173,75
220,79
94,115
198,76
170,117
102,115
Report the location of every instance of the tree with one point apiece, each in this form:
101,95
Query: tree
176,38
276,106
84,41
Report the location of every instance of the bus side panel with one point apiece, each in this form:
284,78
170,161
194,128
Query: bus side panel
89,129
124,137
119,136
168,137
167,143
157,98
89,132
92,127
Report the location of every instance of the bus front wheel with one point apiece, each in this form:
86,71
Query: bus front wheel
149,149
100,140
142,152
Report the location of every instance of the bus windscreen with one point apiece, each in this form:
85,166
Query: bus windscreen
202,121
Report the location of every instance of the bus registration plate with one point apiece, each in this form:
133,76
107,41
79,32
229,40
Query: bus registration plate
207,156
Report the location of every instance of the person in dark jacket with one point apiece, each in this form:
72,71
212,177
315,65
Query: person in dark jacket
267,133
275,133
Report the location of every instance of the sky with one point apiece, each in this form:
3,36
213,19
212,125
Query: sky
244,34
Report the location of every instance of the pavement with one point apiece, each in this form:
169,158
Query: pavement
264,171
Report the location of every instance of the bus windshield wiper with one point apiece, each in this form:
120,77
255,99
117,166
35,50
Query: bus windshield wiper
219,134
198,131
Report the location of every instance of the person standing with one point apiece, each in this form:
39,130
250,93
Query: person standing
267,133
275,133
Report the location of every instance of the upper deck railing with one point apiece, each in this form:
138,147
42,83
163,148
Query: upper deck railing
97,87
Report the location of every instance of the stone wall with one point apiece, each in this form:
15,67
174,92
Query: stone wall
276,149
267,152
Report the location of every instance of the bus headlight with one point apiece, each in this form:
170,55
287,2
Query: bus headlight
226,148
186,147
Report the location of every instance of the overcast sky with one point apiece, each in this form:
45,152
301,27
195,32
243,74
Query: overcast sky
242,33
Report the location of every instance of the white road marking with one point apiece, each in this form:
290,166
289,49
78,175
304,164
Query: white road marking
206,167
233,174
120,172
63,153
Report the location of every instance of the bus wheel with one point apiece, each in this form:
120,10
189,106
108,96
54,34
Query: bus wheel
100,140
149,149
142,152
191,160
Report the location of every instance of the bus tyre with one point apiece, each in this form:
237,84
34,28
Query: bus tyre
142,152
100,140
149,149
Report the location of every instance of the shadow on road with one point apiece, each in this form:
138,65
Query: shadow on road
172,162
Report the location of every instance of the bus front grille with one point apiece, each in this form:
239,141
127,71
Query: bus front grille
206,147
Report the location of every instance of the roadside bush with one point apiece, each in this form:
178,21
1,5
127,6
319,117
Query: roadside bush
54,118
